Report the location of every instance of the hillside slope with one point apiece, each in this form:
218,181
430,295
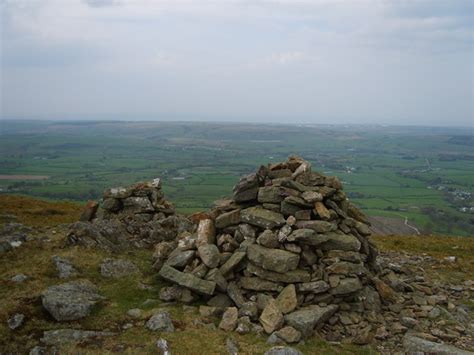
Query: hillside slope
444,260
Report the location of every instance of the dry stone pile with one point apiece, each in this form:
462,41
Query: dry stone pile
286,253
137,215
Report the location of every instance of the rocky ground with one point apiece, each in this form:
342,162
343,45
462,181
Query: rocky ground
123,317
284,266
47,286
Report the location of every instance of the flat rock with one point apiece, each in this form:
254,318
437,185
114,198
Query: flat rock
307,236
187,280
232,262
273,259
313,287
262,218
64,336
306,319
317,226
271,194
293,276
346,286
258,284
346,268
70,301
228,219
180,258
116,268
345,242
413,344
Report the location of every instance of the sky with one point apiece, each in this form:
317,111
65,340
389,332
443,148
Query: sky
301,61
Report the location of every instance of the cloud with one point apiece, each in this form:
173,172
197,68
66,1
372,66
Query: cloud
101,3
381,58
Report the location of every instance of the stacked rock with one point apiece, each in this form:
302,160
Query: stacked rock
137,215
288,250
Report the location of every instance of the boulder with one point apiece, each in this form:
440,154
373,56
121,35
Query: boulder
70,301
160,321
209,254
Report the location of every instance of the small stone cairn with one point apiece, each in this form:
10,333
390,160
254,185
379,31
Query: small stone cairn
137,215
286,253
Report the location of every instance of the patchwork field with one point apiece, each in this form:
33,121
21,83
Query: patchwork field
419,173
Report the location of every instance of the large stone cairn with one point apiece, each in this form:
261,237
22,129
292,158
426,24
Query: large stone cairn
286,253
137,215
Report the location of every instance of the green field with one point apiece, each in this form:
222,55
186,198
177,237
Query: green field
425,174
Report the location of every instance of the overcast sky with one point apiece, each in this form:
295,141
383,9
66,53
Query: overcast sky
321,61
